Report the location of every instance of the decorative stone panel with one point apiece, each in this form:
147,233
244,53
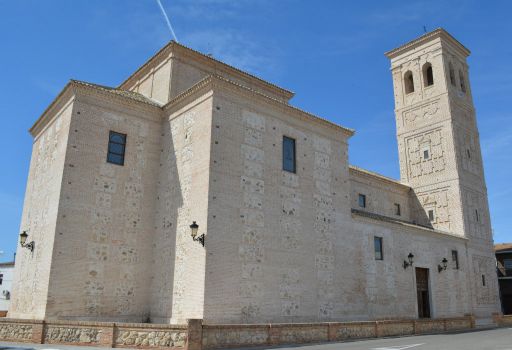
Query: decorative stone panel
15,332
417,145
78,335
150,338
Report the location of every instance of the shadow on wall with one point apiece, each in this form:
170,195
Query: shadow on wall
420,215
169,199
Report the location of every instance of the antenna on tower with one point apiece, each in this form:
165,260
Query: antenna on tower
167,20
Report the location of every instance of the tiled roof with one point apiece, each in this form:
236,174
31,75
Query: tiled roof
173,44
129,94
377,175
401,222
503,247
7,264
424,38
215,79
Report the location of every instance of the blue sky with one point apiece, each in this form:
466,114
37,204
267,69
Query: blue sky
329,52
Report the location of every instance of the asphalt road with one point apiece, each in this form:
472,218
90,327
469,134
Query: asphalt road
495,339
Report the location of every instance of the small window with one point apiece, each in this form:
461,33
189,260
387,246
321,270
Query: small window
477,216
397,209
409,82
507,264
289,154
116,148
452,74
455,259
431,215
1,278
362,200
483,280
426,154
462,81
428,75
377,241
468,152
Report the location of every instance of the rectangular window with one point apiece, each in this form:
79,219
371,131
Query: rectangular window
397,209
289,154
362,200
431,215
455,259
469,153
1,278
483,280
507,264
116,148
425,154
378,248
477,217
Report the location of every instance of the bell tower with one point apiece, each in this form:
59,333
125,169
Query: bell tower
439,152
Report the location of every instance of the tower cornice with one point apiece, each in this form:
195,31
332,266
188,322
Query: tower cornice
435,34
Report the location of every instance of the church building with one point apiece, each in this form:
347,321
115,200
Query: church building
195,190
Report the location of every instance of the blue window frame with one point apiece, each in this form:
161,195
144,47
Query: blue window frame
378,248
116,148
289,155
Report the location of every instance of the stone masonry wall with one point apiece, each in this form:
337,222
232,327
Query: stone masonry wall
271,232
106,214
391,289
381,196
178,276
40,211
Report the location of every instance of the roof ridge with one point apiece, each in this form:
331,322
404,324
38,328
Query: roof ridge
120,92
211,78
373,173
438,31
173,43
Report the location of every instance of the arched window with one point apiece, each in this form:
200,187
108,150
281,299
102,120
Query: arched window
462,81
428,74
452,74
408,82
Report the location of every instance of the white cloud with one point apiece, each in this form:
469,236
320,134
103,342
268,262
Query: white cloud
234,48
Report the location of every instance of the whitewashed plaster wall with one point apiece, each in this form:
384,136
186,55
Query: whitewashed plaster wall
5,298
40,211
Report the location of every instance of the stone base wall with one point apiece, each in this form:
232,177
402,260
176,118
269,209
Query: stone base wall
107,334
503,320
196,336
225,336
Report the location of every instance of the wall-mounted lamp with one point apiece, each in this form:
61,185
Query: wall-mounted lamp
408,263
442,267
23,240
194,228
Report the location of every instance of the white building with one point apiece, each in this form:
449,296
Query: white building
293,232
6,275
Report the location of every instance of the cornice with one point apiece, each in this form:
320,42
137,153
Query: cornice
75,87
214,81
375,176
178,51
57,103
437,33
407,224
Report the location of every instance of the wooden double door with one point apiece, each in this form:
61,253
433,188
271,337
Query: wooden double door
423,293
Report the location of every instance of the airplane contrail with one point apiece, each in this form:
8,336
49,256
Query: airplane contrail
167,20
